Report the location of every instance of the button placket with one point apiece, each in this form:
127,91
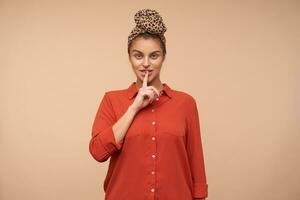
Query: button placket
153,155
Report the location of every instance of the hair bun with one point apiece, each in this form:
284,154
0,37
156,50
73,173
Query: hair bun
150,21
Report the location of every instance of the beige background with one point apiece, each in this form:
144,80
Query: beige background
237,58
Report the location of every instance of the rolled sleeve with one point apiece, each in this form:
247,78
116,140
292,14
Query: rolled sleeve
195,152
107,139
103,144
200,190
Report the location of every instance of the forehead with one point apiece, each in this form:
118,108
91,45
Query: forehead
146,45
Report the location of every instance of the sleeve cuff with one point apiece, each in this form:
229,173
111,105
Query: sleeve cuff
200,190
108,141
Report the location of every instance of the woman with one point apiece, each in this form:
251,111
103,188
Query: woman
150,132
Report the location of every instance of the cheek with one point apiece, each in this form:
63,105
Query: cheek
157,63
136,63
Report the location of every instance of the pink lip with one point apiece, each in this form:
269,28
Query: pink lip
143,72
146,70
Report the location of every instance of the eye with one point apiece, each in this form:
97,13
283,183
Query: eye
154,56
138,56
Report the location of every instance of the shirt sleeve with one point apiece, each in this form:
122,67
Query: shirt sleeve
102,143
195,152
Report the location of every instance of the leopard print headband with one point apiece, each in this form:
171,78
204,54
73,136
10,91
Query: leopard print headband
150,21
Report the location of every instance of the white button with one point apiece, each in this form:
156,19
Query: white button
153,156
152,190
153,172
153,138
157,99
153,123
152,110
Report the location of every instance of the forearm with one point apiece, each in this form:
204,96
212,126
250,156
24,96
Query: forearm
121,126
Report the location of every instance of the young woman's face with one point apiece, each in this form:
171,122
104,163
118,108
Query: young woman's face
146,54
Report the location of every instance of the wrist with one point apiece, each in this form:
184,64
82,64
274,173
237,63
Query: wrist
133,109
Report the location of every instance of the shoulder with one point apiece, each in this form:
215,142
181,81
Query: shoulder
184,96
116,94
186,101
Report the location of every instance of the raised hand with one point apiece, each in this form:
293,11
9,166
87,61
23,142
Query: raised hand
146,94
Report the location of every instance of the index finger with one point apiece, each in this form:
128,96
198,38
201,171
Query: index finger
145,79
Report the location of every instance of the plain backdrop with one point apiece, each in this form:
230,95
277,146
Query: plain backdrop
239,59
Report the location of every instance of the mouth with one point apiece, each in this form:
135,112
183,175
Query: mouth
143,72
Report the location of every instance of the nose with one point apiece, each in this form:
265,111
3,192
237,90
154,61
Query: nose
146,62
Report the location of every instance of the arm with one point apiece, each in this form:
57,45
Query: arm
195,152
122,125
107,132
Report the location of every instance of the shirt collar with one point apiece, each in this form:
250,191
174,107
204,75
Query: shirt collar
133,89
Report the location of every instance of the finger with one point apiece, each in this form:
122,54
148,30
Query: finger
152,88
149,96
145,80
149,93
155,90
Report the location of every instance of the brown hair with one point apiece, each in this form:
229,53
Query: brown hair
147,35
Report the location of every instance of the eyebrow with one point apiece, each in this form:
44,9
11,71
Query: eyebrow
142,52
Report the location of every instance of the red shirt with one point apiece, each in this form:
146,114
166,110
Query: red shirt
161,155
